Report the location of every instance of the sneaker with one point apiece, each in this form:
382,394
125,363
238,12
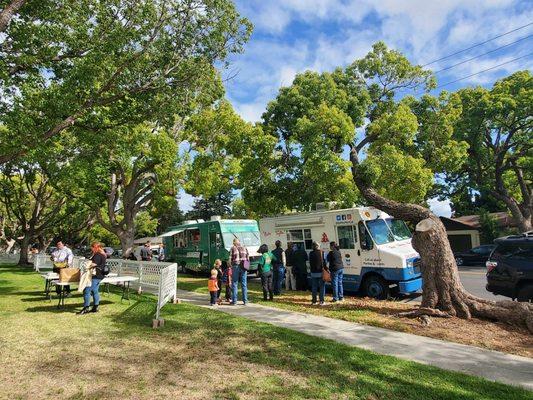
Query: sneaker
322,303
314,303
84,310
334,300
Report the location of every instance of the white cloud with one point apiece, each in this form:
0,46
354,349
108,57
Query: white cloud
185,201
250,112
440,207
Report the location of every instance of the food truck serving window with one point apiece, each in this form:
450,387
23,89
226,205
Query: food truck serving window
347,236
192,237
301,238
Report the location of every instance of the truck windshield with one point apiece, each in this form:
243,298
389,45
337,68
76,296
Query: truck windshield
398,228
380,231
246,238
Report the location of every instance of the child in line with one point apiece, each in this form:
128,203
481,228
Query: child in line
212,286
218,268
226,279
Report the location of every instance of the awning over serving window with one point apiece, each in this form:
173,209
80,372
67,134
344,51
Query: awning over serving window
172,233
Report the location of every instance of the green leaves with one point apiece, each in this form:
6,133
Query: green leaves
498,128
219,140
398,176
91,63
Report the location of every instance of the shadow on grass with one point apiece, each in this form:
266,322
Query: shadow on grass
308,367
68,307
327,366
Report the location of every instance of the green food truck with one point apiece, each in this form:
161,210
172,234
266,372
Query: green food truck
195,245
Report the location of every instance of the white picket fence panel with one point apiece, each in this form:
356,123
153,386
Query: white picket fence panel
9,258
159,278
168,282
43,261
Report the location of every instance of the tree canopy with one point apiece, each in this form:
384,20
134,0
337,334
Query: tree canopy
101,64
497,125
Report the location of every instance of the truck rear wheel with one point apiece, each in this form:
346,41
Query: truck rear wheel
525,293
376,287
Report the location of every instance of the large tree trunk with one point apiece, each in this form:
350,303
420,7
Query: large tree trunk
442,292
525,221
24,244
126,237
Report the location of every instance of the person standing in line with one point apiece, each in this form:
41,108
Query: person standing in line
265,269
299,268
317,264
226,279
336,268
290,280
98,260
240,263
146,252
212,286
218,268
62,257
161,254
278,267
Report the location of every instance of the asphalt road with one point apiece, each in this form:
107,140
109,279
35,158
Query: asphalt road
474,281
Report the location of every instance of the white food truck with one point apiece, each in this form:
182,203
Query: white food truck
376,248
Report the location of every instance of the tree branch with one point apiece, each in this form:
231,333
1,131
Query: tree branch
6,15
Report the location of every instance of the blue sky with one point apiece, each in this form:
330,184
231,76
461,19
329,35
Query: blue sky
292,36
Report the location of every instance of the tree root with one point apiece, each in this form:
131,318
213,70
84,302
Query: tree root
424,311
507,311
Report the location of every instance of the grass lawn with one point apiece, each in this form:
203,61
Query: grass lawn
475,332
199,354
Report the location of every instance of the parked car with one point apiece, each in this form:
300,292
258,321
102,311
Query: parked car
475,256
510,267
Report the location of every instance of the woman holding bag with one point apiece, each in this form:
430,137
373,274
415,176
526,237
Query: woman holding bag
98,260
318,265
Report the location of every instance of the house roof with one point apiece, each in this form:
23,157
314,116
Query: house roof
502,218
451,224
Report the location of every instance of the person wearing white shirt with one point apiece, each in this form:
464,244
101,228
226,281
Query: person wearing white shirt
62,257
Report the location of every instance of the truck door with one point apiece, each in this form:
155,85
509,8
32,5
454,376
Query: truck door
349,248
215,243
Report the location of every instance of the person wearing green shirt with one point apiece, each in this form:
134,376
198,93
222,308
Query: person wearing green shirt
265,269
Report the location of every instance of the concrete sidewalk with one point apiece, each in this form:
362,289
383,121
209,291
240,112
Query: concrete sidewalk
492,365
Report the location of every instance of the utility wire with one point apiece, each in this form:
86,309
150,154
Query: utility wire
484,54
478,44
485,70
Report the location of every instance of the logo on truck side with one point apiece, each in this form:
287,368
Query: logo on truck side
343,218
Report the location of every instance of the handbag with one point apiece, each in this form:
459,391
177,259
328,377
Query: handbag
69,275
326,276
245,264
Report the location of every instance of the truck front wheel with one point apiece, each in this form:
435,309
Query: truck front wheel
376,287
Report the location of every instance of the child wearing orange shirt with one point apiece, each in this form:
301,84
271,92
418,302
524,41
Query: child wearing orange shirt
212,286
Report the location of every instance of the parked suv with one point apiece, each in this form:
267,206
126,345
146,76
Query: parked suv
510,267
